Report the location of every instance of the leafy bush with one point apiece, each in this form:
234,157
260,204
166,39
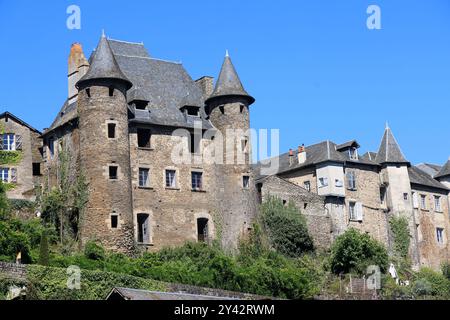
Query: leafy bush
286,228
43,250
94,251
354,251
400,230
446,270
431,283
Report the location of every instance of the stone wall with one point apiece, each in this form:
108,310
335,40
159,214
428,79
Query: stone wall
310,205
11,270
432,254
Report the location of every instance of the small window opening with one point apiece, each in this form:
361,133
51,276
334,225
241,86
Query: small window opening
246,182
144,136
141,105
202,229
241,108
113,172
111,130
143,228
36,169
111,91
222,109
171,181
192,111
88,92
114,221
197,178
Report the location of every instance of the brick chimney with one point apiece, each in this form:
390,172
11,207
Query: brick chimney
78,66
301,154
291,157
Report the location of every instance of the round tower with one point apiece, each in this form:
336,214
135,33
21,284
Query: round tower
105,152
228,110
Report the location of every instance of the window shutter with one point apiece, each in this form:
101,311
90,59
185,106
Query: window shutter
415,200
359,211
14,175
18,142
1,142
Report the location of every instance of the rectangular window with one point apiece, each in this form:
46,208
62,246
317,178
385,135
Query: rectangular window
351,181
423,202
171,179
440,235
8,142
307,185
4,174
352,211
197,180
194,143
415,200
111,130
143,225
338,183
437,204
113,172
353,153
405,196
323,182
144,181
51,147
246,182
382,195
144,136
36,169
114,221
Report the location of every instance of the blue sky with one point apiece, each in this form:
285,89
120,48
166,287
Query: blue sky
315,69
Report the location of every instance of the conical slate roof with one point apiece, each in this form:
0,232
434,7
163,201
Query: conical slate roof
228,83
445,170
389,151
104,66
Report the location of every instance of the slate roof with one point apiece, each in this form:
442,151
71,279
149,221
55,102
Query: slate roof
8,114
103,65
228,83
143,295
370,155
325,151
389,151
445,170
352,143
165,85
417,176
430,169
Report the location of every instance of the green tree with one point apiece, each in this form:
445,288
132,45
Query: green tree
286,228
43,250
354,251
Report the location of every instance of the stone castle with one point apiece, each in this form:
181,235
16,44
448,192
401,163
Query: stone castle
117,128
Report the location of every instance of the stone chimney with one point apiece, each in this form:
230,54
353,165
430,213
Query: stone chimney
206,83
301,154
78,66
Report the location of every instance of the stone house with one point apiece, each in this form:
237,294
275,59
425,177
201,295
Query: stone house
21,159
364,191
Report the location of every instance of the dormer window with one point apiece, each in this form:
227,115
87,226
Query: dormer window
140,105
192,111
353,153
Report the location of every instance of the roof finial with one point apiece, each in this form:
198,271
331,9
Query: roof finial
387,125
103,33
226,53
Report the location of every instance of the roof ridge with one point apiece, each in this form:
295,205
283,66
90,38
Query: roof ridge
111,39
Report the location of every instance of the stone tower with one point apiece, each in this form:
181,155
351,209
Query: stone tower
105,152
228,110
395,179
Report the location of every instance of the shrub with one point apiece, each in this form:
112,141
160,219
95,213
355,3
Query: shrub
446,270
431,283
286,228
43,250
94,251
400,230
354,251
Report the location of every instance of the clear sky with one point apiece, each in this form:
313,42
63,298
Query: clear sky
317,72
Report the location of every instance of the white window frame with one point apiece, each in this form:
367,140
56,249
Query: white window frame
415,200
323,182
173,184
2,175
353,153
246,182
307,185
437,204
423,202
355,211
147,180
197,188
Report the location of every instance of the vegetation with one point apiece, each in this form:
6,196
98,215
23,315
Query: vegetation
353,252
10,157
286,228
